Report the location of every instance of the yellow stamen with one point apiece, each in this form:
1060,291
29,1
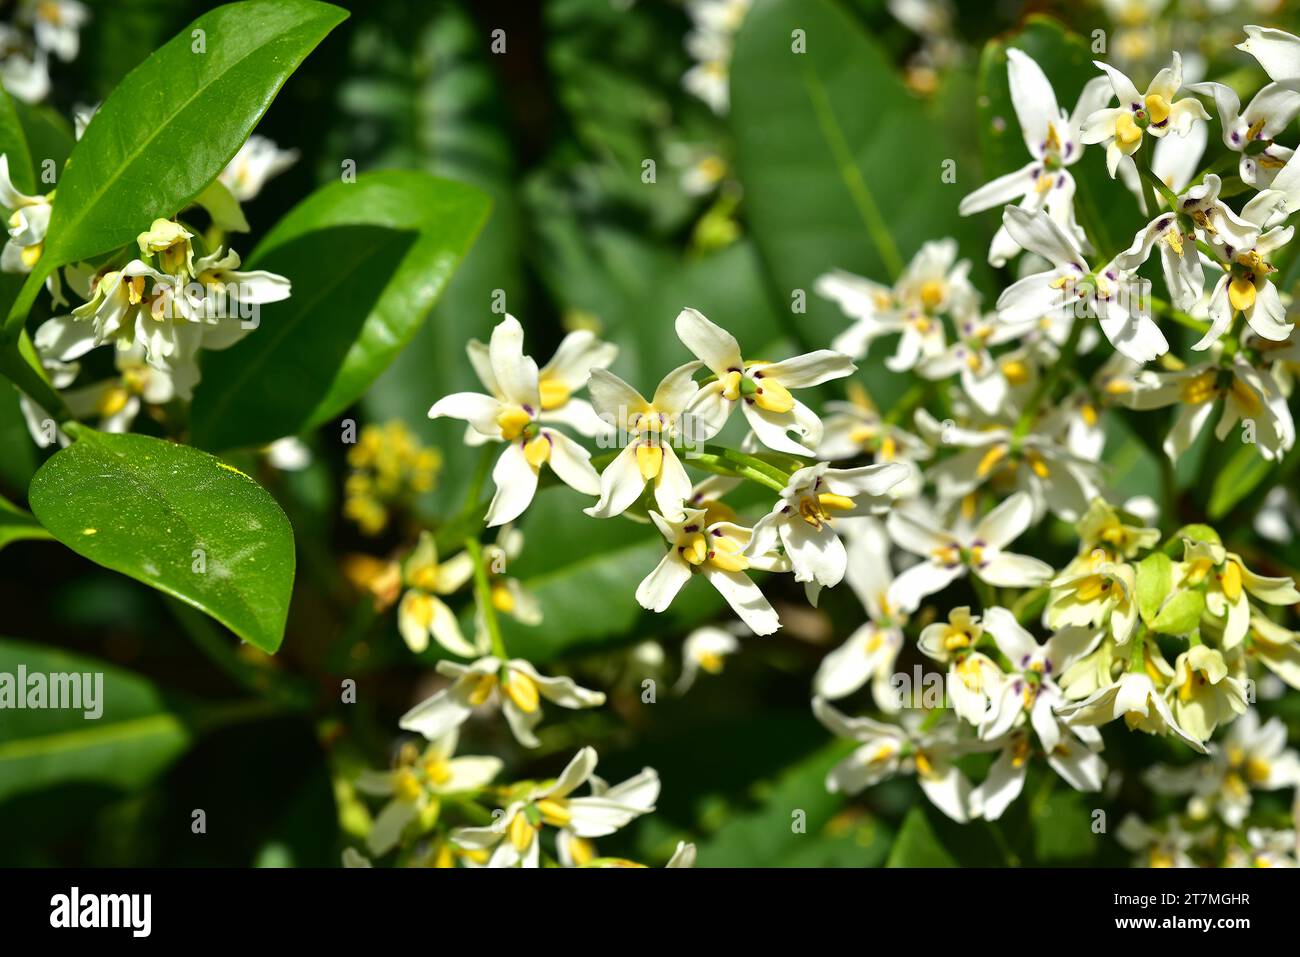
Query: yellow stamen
406,787
483,686
1127,133
503,600
511,421
731,386
1241,293
773,397
991,459
932,293
521,833
1157,107
727,554
437,770
710,661
555,812
650,460
538,451
1230,581
1202,387
1015,371
522,690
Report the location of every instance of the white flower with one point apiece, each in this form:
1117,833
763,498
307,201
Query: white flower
55,26
1155,112
512,413
1134,698
650,430
1277,52
855,428
1095,592
1053,142
1199,214
1052,476
258,160
886,750
1113,293
515,686
28,221
25,77
802,521
704,650
1252,133
225,285
968,357
1074,757
870,652
417,782
1251,756
422,612
1276,647
514,836
1203,695
1247,394
1031,688
1160,848
710,42
1229,585
718,553
979,550
762,389
1245,286
974,681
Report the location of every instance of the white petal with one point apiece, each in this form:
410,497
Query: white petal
745,599
516,483
711,344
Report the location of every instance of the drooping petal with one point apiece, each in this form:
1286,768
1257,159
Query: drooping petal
711,344
516,484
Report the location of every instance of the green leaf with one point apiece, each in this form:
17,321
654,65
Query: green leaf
1155,578
13,144
143,506
17,525
135,737
917,845
367,261
772,835
832,180
1181,614
171,126
1238,477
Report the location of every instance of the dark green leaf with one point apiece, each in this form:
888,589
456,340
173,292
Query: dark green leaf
367,260
177,519
135,737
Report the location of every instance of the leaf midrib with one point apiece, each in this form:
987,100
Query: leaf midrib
96,196
154,725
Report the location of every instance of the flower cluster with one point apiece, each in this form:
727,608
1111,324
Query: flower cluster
1165,632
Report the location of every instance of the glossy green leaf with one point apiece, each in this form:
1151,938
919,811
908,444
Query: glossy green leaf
177,519
1155,576
135,737
367,261
842,166
171,125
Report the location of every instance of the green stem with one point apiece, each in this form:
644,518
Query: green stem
483,595
1191,322
1150,182
1137,661
910,400
724,461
